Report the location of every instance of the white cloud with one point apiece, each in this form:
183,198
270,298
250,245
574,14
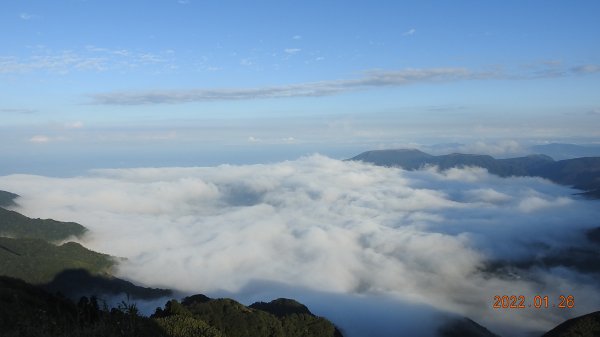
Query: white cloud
371,79
419,237
74,125
19,111
536,203
121,52
586,69
296,37
409,32
292,51
212,68
39,139
59,63
90,58
27,16
502,148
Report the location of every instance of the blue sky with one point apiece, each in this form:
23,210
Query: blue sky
271,80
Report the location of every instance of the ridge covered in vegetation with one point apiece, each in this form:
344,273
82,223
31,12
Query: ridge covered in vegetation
37,261
26,310
16,225
7,199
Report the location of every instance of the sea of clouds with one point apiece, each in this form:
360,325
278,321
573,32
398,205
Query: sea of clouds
374,249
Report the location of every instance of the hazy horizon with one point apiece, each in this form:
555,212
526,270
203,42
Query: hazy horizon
124,80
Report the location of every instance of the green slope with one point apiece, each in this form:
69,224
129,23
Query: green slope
37,261
26,310
16,225
282,317
7,199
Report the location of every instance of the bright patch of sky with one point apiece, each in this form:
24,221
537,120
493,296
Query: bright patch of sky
79,75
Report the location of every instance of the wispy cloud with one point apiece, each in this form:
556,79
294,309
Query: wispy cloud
292,51
410,32
74,125
246,62
586,69
371,79
17,111
39,139
90,58
27,16
297,37
594,112
322,88
59,63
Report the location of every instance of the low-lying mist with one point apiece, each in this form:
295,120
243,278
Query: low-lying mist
374,249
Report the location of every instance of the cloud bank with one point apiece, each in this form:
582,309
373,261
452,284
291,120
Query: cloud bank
419,239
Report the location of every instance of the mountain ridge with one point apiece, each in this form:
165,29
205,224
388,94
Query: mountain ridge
580,173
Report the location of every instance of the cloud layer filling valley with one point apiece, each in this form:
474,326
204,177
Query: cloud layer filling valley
340,227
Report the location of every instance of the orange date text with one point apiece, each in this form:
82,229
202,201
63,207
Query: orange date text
535,302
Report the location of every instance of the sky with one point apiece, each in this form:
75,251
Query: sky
87,84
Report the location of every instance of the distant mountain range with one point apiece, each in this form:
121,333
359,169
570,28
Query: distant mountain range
581,173
561,151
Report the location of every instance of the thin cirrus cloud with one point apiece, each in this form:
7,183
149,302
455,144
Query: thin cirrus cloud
320,88
27,16
586,69
91,58
292,51
63,62
40,139
419,238
17,111
371,79
410,32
